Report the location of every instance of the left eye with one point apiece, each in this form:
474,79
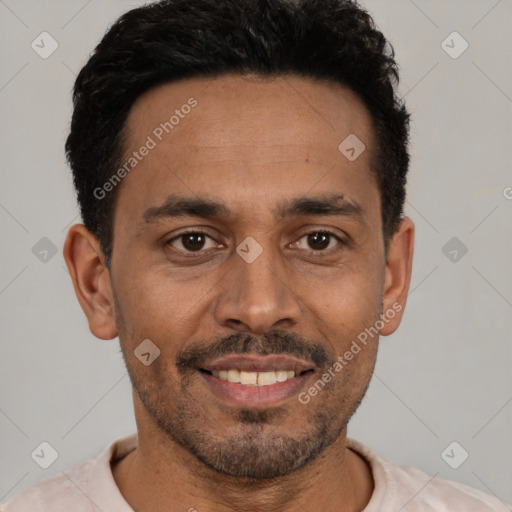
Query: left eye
319,240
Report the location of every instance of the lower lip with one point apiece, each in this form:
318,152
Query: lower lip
256,396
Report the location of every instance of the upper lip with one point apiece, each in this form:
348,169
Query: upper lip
257,363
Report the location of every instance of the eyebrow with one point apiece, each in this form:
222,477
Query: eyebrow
178,206
333,205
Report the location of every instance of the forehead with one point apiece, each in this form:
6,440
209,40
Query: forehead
249,141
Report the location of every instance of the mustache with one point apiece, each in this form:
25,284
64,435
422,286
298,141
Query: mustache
274,343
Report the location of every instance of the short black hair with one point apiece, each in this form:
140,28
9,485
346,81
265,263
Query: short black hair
165,41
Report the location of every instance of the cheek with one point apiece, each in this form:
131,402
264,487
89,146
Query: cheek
146,307
153,306
345,304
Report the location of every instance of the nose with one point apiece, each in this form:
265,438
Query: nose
259,296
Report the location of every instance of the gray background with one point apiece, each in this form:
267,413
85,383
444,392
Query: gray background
443,377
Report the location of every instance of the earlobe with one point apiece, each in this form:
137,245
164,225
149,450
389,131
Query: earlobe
398,276
91,281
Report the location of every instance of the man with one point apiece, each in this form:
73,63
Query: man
240,168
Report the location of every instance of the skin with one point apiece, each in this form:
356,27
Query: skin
251,144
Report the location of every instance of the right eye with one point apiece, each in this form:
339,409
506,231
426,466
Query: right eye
190,242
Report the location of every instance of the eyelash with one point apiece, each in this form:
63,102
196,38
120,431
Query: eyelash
196,254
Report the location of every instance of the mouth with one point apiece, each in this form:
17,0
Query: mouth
256,381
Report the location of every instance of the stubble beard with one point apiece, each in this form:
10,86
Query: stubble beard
257,447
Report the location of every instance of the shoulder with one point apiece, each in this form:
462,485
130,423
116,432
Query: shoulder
87,487
409,489
59,493
440,494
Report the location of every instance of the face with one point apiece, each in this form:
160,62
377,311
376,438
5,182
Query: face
248,249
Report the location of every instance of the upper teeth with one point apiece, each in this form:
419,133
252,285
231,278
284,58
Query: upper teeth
254,378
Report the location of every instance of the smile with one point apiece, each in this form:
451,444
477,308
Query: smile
254,378
256,381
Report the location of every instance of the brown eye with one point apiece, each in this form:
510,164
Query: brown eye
190,242
319,240
193,241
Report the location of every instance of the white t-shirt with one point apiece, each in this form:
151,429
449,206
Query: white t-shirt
90,487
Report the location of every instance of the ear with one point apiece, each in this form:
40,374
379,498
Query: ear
91,280
398,276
